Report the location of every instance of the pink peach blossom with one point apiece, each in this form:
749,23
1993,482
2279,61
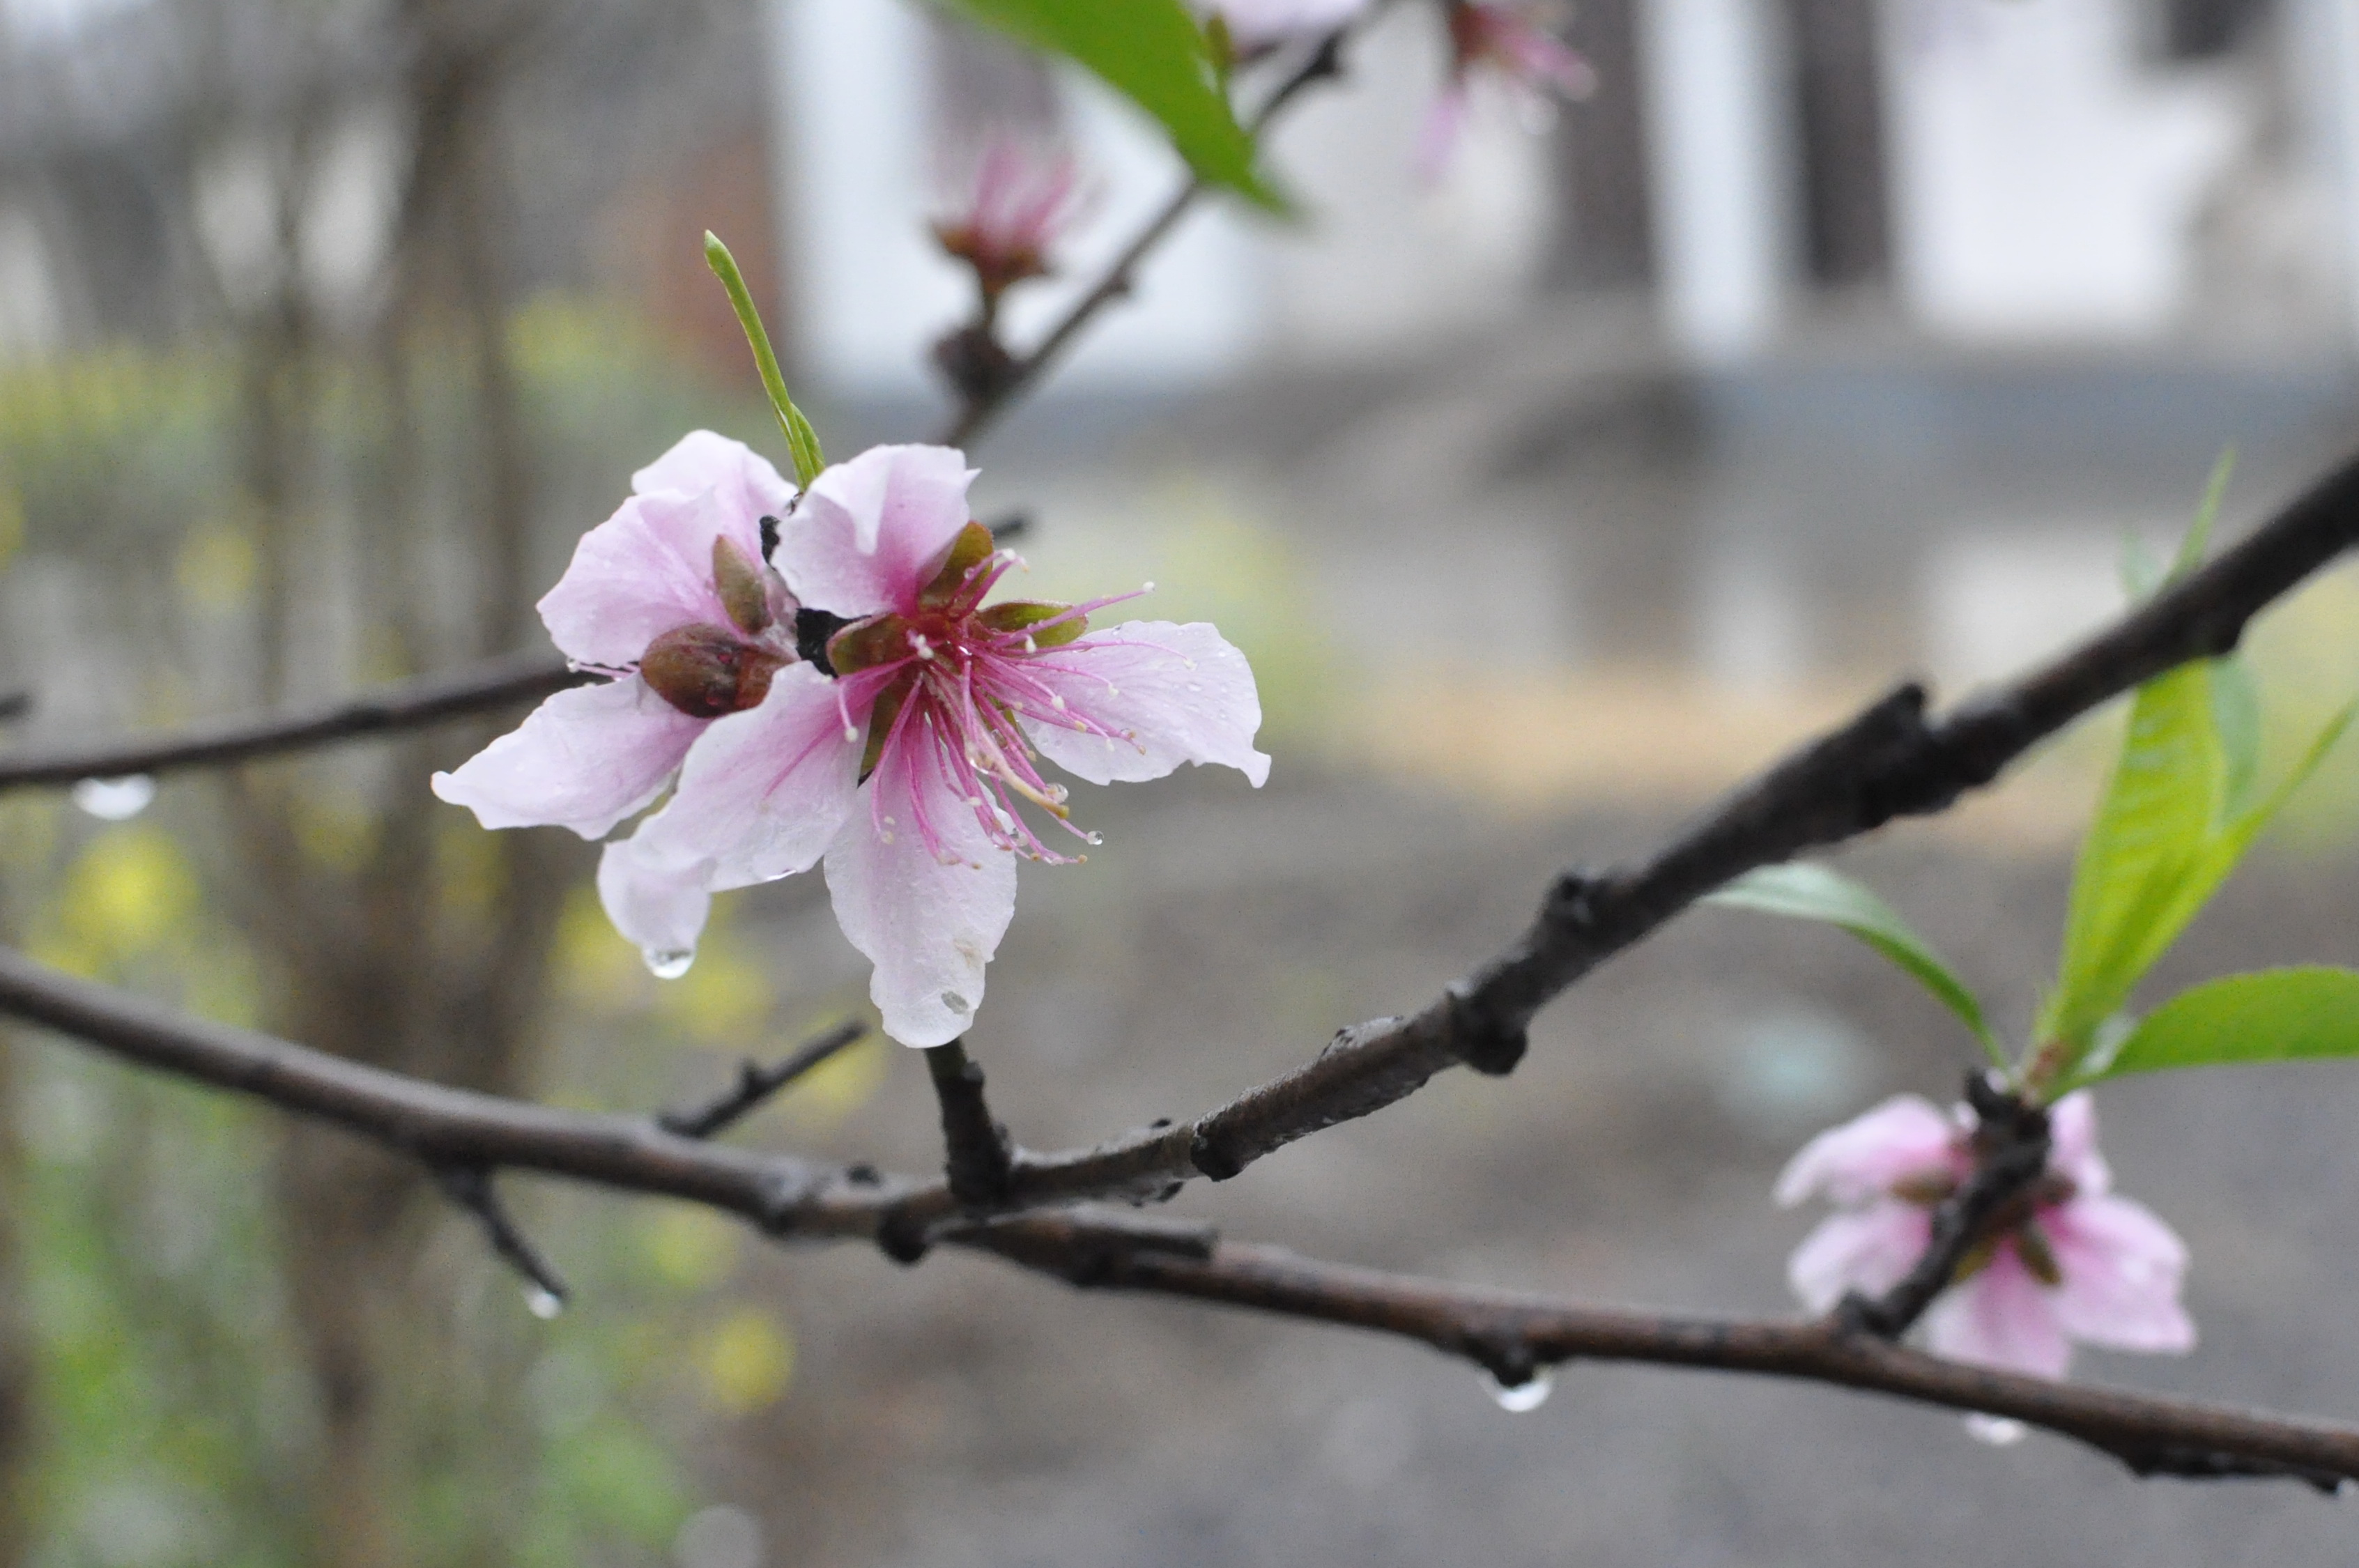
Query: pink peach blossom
1507,44
644,581
2081,1264
908,756
1021,199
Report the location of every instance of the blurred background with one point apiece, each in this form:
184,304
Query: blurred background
1828,341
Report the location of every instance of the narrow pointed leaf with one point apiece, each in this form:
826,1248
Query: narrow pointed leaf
2163,804
1153,53
2274,1015
802,441
1802,891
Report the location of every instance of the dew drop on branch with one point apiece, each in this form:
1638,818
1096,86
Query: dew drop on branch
543,1302
115,800
1518,1399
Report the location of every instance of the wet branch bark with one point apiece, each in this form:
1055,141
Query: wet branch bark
1888,761
1509,1334
406,705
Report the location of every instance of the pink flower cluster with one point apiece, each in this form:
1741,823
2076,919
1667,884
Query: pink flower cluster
2073,1262
819,679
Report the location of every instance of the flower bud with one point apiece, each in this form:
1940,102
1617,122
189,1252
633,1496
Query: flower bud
706,671
744,593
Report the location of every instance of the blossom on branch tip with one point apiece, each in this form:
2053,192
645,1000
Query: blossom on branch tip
2069,1261
668,599
1505,43
1021,199
903,750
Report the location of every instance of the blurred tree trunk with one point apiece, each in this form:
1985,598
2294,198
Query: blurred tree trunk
15,1351
384,956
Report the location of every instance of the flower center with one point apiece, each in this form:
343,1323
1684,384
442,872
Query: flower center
955,682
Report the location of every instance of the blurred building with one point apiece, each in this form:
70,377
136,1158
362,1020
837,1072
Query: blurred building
1985,172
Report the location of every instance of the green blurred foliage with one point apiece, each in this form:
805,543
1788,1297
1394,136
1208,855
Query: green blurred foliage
174,1403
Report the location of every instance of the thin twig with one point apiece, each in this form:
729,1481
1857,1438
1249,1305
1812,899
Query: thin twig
410,704
470,1187
755,1084
1507,1334
2011,1145
1007,383
1888,761
977,1150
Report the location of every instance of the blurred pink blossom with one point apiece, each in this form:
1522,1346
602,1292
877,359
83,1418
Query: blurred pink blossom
2076,1262
903,748
1022,199
1505,43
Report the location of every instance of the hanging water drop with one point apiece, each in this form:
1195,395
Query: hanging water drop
1999,1432
543,1302
668,964
115,800
1519,1399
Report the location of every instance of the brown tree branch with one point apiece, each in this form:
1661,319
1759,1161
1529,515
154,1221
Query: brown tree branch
755,1085
993,397
1888,761
977,1148
2011,1145
1510,1335
410,704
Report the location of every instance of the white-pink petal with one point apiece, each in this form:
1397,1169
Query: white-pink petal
1164,694
1906,1136
2122,1269
585,759
764,792
743,479
657,902
2072,1144
2004,1318
1870,1250
872,530
930,925
644,572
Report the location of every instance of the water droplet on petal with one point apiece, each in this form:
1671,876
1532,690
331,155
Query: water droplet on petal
668,964
1999,1432
1519,1399
115,800
543,1302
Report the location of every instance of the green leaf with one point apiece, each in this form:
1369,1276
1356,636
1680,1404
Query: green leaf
2274,1015
2207,513
2162,805
802,441
1807,892
1153,53
2152,861
2236,715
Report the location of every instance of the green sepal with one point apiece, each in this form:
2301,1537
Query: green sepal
1027,615
802,441
863,644
969,550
